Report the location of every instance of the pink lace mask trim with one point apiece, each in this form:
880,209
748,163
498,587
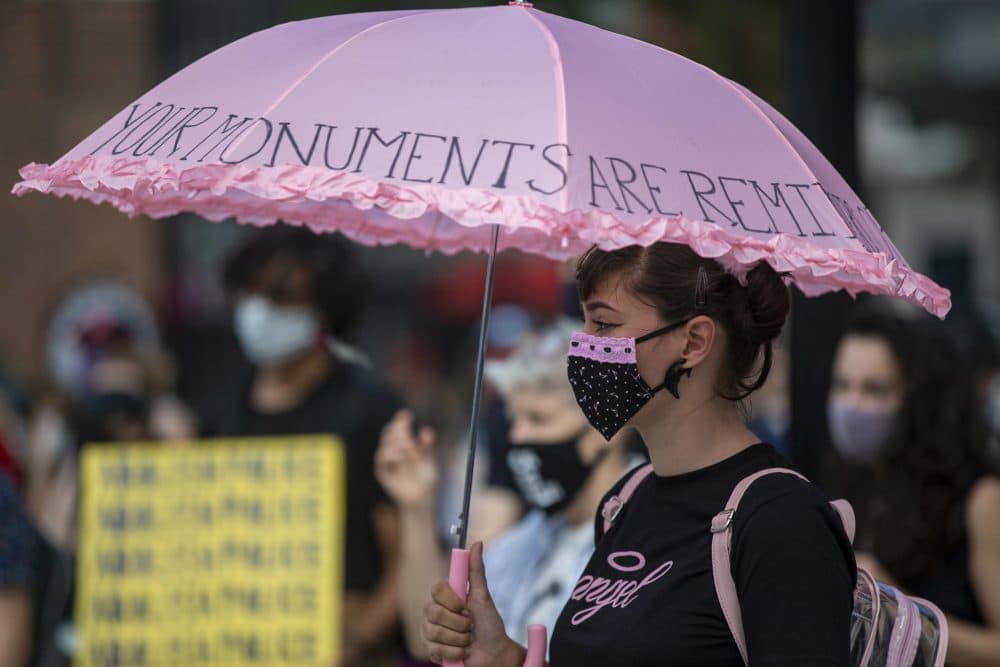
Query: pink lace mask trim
603,349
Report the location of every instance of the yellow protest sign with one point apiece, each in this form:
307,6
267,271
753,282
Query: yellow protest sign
220,553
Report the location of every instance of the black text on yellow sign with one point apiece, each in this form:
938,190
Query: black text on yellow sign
221,553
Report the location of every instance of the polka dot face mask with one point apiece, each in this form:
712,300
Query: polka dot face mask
605,378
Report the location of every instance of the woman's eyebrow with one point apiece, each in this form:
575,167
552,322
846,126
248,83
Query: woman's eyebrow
595,305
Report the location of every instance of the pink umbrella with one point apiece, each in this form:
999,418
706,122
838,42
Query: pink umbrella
484,129
455,120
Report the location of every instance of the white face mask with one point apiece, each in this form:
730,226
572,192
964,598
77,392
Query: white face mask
271,334
860,434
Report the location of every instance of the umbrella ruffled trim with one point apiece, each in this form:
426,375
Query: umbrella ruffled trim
263,195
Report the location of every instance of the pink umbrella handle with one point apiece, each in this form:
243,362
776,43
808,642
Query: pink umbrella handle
458,579
537,641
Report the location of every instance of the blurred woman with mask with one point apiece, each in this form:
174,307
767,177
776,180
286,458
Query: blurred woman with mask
560,465
297,294
905,415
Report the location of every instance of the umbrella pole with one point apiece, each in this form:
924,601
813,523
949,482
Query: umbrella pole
458,574
477,391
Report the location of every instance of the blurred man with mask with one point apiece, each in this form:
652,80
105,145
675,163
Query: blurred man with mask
561,466
297,294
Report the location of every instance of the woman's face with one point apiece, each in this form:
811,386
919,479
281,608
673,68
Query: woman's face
539,415
866,375
613,311
283,282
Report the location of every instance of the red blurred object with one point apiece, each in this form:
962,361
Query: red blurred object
456,294
8,465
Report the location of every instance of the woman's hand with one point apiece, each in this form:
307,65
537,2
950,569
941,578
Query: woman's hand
404,464
470,631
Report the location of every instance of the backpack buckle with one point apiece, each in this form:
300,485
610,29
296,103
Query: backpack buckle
723,520
612,508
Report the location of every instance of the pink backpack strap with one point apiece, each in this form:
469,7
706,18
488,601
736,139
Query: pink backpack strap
846,513
613,506
722,572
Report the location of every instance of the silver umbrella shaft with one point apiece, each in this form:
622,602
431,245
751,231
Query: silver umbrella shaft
477,392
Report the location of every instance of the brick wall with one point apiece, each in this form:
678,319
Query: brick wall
66,66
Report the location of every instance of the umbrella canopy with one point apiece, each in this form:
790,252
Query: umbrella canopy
430,127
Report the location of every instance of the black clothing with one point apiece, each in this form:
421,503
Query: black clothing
495,426
791,561
16,539
353,405
949,586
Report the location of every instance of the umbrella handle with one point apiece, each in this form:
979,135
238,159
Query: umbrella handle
537,643
458,579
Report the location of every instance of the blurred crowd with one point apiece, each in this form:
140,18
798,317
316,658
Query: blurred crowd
913,415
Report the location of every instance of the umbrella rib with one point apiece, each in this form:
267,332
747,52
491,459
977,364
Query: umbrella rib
736,88
560,76
312,68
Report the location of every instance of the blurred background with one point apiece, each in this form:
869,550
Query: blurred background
901,95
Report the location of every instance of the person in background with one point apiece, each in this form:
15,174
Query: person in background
111,374
111,382
119,393
436,394
17,578
904,412
560,465
297,294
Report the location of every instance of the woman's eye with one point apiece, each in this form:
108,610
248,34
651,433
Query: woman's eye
603,326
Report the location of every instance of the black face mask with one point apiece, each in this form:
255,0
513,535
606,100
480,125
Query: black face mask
549,475
604,374
97,412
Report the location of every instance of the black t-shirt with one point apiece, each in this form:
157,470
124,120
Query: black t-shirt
791,561
352,404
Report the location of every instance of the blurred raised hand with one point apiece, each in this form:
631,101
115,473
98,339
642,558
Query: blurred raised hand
404,462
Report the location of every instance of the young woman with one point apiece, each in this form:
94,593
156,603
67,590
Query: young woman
905,412
673,346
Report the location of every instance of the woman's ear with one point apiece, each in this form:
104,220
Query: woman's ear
701,334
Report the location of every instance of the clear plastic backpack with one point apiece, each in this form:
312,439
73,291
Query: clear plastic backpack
888,628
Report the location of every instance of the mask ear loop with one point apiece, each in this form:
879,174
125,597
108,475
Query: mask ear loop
662,330
672,378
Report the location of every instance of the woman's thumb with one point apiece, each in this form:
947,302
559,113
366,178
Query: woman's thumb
477,571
